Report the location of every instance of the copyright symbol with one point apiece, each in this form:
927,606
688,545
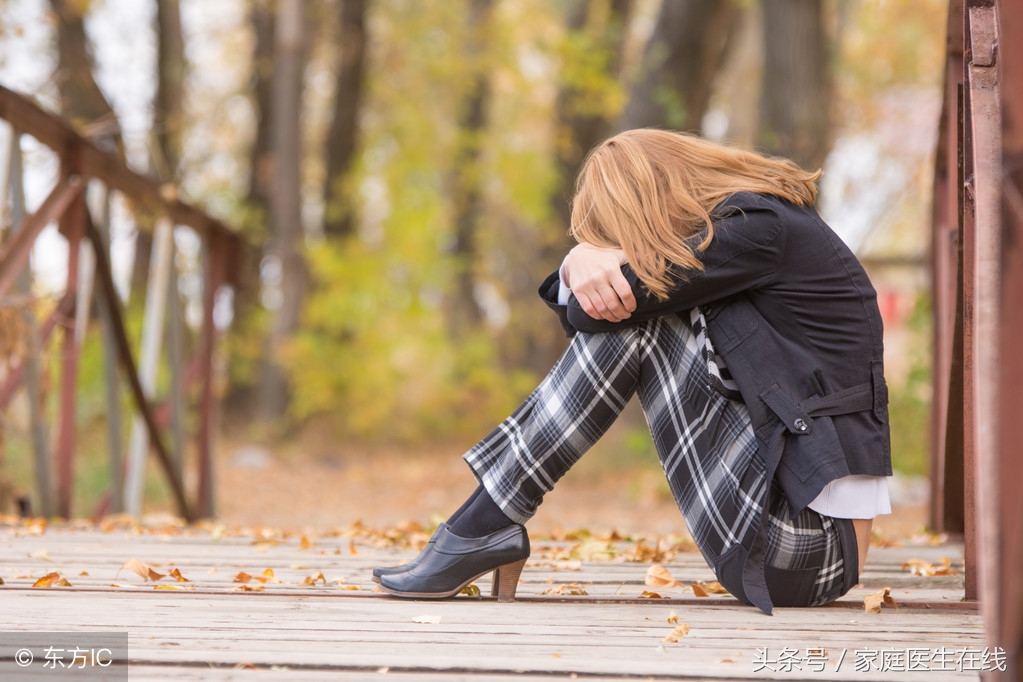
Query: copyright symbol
23,658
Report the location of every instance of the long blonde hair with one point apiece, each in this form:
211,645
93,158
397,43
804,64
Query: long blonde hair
649,191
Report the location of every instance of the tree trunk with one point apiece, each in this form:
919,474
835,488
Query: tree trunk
285,200
795,120
579,127
81,99
168,110
464,313
344,126
680,61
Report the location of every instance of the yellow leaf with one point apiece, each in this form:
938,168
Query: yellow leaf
926,568
83,573
176,574
647,594
242,577
311,580
673,617
699,591
53,579
680,631
248,588
173,588
267,577
144,571
658,576
872,603
471,590
306,543
351,547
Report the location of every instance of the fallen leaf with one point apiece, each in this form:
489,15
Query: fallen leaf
306,543
53,579
567,589
659,576
471,590
173,588
144,571
176,574
249,588
242,577
311,580
267,577
83,573
926,568
1,581
680,631
699,591
702,589
432,620
40,554
673,617
872,603
351,547
647,594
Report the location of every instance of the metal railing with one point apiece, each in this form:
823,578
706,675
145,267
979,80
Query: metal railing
157,419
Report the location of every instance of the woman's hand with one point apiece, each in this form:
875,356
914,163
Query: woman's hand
595,276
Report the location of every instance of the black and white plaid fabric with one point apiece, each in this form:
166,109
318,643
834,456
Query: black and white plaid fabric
700,427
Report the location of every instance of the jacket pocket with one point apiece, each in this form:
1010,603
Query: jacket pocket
731,323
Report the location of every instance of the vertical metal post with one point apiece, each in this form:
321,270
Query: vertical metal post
100,209
72,225
152,333
216,268
175,395
36,414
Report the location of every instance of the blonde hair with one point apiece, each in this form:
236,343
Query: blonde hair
648,192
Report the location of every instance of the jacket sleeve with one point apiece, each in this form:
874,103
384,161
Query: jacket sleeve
747,248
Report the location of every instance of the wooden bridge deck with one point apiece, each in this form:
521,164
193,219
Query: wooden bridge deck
317,617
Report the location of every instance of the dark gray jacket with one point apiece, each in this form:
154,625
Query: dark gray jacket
793,315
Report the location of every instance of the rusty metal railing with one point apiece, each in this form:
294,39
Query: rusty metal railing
977,424
82,162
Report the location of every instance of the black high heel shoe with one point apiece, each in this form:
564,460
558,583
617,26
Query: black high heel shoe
391,570
453,562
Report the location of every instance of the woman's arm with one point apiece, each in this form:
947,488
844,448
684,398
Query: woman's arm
745,253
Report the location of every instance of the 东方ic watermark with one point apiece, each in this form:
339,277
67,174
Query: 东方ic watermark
47,656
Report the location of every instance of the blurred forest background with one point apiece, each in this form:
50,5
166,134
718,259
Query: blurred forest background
401,172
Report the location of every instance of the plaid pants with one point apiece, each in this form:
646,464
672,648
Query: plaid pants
703,436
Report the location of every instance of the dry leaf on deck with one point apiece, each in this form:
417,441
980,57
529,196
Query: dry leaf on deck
926,568
680,631
174,588
267,577
702,589
144,570
53,579
306,543
658,576
647,594
248,588
242,577
311,580
176,574
574,589
673,617
872,603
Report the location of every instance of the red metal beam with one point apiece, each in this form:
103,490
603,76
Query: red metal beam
112,302
15,251
28,117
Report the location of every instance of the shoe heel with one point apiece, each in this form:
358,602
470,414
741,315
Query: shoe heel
506,581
